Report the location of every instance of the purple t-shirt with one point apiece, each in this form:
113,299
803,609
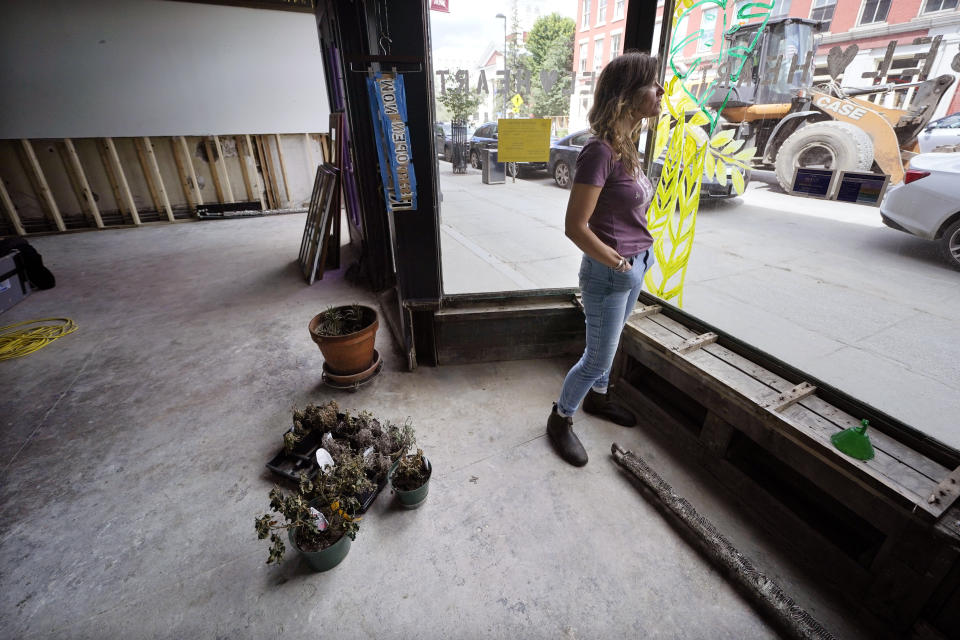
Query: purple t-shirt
620,217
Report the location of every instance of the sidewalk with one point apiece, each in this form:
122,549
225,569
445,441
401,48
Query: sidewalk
821,285
503,237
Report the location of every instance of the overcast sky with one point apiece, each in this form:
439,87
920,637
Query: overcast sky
461,37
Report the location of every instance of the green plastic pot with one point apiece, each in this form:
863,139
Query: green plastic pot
415,497
325,559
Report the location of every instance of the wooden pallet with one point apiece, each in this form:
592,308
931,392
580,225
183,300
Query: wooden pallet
888,527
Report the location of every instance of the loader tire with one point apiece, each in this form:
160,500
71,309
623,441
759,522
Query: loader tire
824,145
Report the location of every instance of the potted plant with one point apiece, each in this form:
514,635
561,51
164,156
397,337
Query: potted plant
410,479
321,516
346,336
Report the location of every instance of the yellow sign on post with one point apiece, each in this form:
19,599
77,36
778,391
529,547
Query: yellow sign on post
523,140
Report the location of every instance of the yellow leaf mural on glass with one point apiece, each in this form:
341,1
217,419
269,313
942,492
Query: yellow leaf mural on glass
690,145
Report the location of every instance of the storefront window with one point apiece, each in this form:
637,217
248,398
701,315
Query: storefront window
835,285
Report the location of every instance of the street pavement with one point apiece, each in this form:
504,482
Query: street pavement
822,285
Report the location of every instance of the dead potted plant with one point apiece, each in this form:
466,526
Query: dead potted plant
321,517
346,336
410,479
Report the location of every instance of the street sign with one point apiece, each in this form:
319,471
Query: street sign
516,101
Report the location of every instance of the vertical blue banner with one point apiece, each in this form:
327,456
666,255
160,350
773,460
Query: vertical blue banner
388,107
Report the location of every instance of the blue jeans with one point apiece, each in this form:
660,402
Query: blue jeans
608,300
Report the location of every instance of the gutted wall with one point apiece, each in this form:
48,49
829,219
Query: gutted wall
100,68
128,111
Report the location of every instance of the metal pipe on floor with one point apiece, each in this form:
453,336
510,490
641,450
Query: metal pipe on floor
766,594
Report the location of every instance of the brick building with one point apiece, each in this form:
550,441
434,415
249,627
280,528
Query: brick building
597,41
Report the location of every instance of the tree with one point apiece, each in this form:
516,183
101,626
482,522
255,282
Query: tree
554,100
460,102
550,47
544,36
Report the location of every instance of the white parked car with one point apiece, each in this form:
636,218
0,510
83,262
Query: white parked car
939,133
927,204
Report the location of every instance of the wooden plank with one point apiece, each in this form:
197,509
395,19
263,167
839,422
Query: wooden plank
182,173
152,171
112,178
309,155
325,147
696,343
642,311
947,491
11,210
283,168
227,189
815,429
244,167
75,168
891,446
716,434
734,388
114,162
40,184
873,505
266,165
882,441
190,170
780,401
258,145
254,174
146,171
211,160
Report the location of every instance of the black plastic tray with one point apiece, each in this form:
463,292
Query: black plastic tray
303,459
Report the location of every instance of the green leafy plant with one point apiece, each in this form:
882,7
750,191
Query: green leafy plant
411,472
311,418
343,320
334,493
459,101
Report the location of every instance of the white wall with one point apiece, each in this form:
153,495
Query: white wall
98,68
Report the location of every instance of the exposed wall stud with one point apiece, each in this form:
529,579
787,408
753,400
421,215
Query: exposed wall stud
112,178
227,189
151,170
266,165
113,162
189,169
283,168
11,210
75,170
182,173
40,184
213,170
311,158
251,179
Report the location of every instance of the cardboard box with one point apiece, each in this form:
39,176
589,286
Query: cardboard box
14,285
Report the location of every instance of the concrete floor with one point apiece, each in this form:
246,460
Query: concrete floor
133,459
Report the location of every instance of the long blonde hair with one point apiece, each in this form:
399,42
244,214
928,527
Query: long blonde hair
615,95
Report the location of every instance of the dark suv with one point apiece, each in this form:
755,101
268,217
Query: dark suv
485,137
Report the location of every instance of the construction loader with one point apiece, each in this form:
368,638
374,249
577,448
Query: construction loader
774,105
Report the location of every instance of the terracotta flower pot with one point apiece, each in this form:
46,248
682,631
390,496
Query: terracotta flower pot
351,353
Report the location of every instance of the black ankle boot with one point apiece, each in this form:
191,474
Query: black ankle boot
564,440
600,404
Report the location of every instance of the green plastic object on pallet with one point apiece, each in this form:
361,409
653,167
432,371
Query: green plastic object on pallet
854,441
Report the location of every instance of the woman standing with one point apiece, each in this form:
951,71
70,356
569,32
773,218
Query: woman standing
607,219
